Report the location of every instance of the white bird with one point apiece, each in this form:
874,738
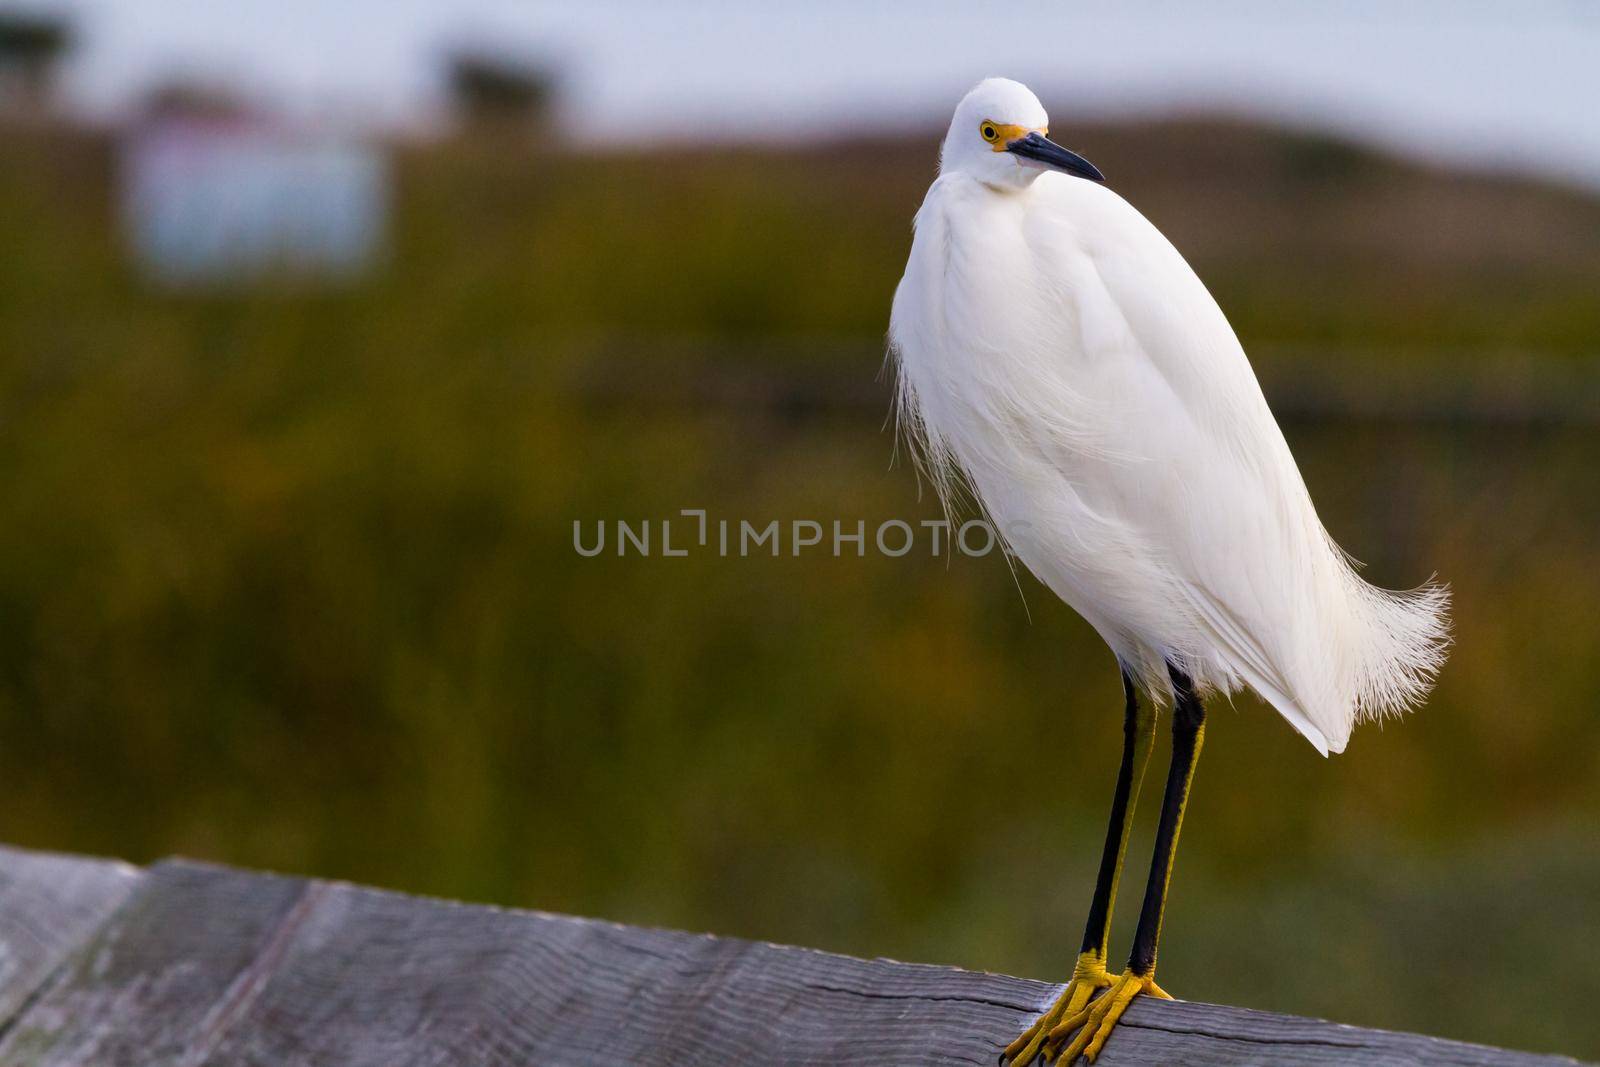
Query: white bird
1056,352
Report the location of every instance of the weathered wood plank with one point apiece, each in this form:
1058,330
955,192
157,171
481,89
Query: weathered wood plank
209,967
379,979
49,905
165,975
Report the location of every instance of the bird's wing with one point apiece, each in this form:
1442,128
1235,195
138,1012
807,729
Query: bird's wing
1212,488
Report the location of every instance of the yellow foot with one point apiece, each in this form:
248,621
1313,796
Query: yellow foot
1088,977
1095,1022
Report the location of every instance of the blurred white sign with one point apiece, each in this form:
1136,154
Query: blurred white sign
226,201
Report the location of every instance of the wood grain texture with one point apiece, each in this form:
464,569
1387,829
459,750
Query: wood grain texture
49,905
205,967
166,974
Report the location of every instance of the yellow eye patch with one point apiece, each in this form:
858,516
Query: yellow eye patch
1000,134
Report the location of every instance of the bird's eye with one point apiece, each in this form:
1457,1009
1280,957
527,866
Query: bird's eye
989,132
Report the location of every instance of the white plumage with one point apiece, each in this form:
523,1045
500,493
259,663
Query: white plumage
1055,349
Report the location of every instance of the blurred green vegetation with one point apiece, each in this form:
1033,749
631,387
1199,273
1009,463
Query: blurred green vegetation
287,578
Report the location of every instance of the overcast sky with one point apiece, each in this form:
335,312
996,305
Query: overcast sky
1514,83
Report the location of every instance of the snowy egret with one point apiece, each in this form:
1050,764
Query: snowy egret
1058,354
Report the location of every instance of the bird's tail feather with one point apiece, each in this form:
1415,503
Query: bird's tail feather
1379,660
1404,639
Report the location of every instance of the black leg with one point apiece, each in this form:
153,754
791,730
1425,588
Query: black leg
1084,1032
1188,733
1089,974
1137,731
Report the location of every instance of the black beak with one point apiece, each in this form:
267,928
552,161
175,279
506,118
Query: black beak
1041,149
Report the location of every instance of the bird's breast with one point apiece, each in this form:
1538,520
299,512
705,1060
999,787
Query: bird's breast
981,299
989,326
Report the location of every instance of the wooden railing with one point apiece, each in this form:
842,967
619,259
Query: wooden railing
183,963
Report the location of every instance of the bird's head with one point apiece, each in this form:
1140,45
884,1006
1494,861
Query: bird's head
998,137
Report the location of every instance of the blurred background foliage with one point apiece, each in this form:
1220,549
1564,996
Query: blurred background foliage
287,575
